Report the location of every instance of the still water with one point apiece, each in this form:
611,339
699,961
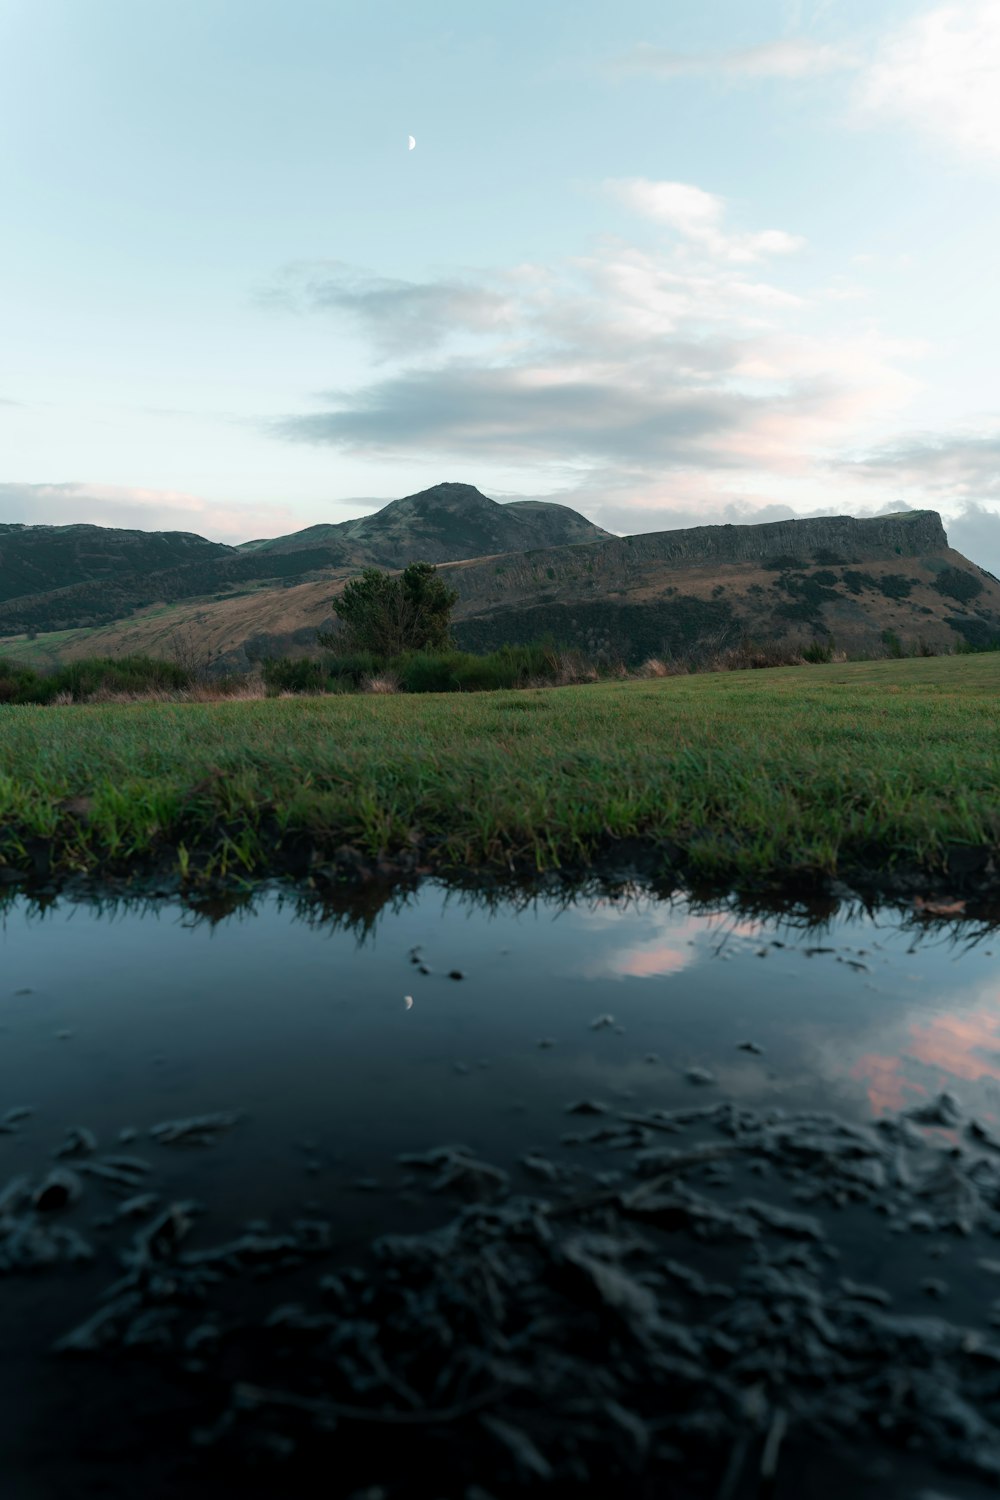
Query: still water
339,1053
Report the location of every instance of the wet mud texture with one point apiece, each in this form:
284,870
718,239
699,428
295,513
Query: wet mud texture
705,1302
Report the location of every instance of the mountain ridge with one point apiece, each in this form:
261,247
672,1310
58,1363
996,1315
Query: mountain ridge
79,576
858,580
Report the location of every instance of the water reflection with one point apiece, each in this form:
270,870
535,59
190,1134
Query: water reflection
292,1011
872,1009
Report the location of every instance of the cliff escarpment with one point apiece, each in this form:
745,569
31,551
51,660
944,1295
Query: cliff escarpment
626,561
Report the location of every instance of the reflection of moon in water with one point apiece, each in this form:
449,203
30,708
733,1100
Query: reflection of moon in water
410,143
408,1001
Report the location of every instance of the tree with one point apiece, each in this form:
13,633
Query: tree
388,614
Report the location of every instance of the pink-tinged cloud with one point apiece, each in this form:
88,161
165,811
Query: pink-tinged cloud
964,1045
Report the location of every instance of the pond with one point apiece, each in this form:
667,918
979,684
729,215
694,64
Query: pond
540,1038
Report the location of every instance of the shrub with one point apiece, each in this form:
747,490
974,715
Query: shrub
976,635
78,681
390,614
956,583
895,585
892,642
298,675
818,652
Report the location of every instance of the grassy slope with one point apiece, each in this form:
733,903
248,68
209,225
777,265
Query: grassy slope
753,775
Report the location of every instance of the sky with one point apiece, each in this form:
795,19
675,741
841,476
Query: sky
722,260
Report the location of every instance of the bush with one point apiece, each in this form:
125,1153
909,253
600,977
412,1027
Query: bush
956,583
895,585
77,681
391,614
818,652
976,635
298,675
892,642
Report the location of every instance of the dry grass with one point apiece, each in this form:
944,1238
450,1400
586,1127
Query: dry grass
386,682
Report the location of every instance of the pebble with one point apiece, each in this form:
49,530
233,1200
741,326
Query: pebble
699,1075
59,1189
601,1023
79,1142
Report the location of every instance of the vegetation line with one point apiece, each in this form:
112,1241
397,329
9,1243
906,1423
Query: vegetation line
795,773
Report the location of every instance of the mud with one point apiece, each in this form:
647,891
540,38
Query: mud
564,1328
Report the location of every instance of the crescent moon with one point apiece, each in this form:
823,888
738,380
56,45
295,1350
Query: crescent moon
410,143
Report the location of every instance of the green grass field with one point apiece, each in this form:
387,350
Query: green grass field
750,776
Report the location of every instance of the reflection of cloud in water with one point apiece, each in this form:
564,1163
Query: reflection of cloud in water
646,961
964,1044
681,939
667,952
885,1081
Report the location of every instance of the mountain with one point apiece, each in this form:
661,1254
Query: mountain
39,559
77,577
656,594
667,592
442,524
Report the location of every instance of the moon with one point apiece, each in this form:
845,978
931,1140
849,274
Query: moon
410,143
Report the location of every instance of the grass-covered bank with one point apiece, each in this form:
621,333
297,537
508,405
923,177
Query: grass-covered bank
750,777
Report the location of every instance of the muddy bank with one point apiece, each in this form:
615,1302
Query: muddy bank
961,879
677,1297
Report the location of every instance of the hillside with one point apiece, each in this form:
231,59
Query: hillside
630,597
667,591
55,578
442,524
41,559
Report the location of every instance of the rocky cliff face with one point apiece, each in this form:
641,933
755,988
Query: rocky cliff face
880,538
625,562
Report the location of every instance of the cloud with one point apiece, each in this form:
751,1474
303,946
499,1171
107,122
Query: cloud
975,531
629,358
698,216
940,73
133,508
400,317
794,57
957,467
529,412
959,472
